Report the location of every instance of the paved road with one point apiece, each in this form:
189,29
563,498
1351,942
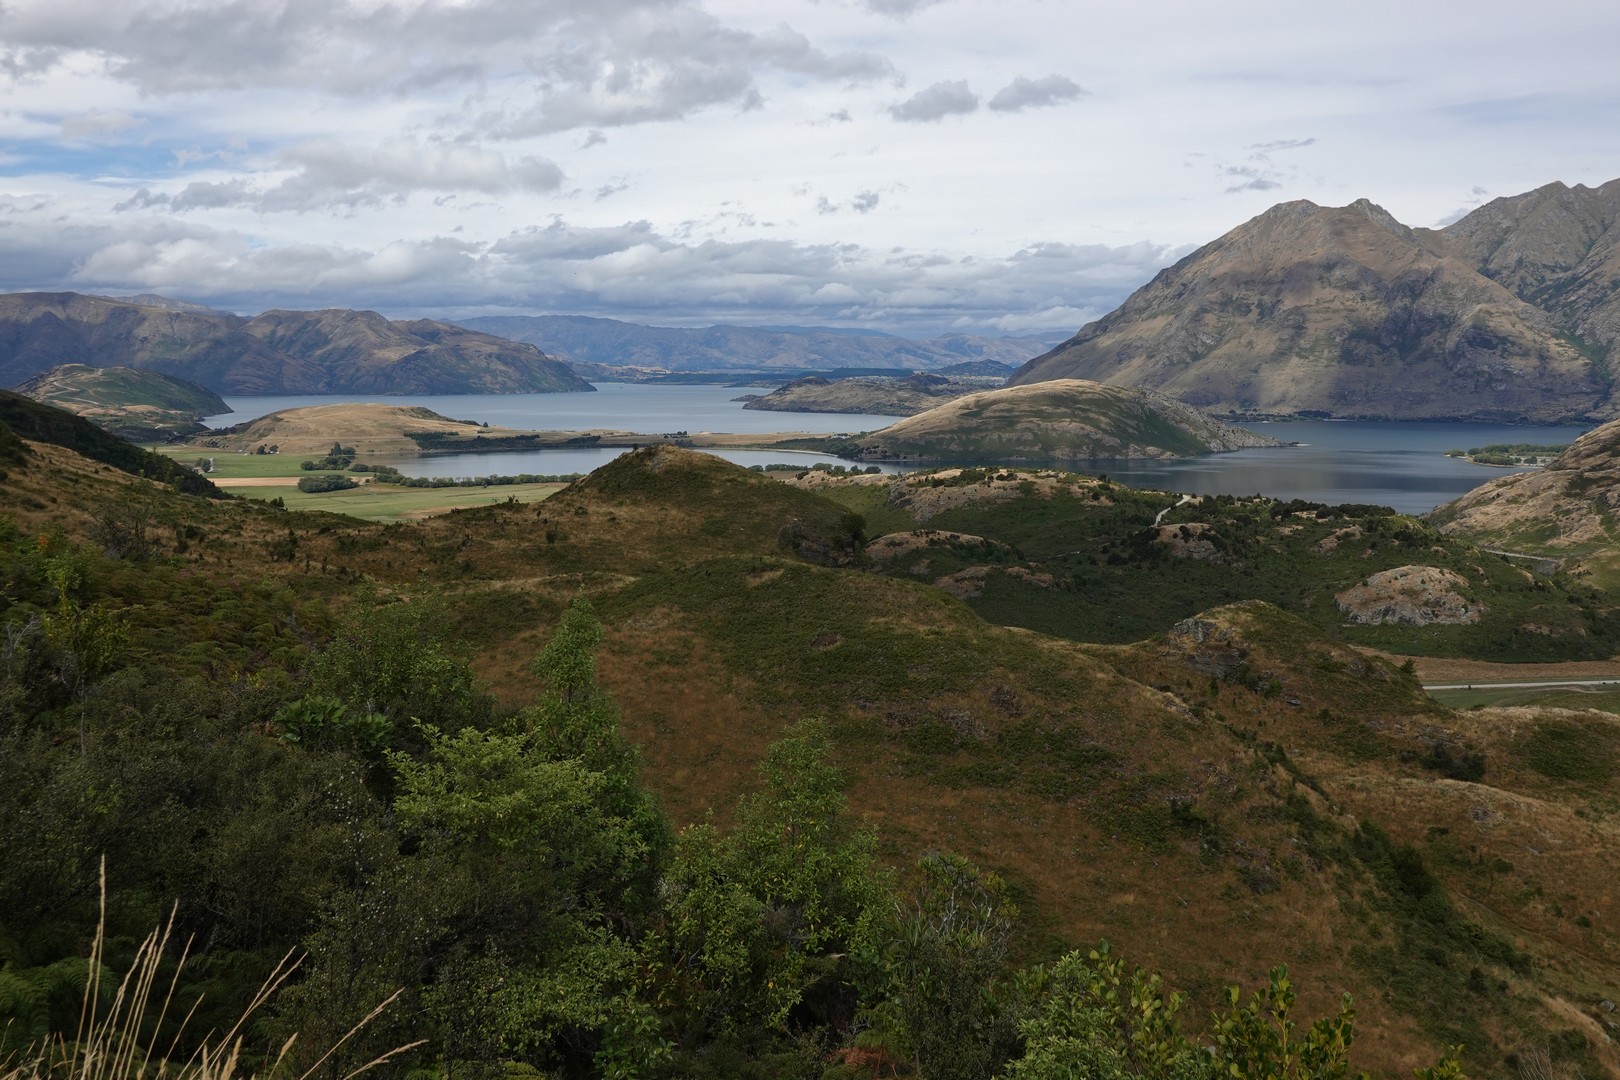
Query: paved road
1521,685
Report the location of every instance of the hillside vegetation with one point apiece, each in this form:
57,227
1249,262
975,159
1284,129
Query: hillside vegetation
880,396
759,810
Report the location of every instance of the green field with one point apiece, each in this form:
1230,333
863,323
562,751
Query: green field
229,466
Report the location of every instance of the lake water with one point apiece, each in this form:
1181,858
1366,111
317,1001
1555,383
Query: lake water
1402,465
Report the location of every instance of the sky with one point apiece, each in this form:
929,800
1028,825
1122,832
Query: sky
913,166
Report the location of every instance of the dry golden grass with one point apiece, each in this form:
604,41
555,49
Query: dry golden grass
107,1043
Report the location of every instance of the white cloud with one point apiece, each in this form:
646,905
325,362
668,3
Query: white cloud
326,175
951,98
98,124
1023,93
629,270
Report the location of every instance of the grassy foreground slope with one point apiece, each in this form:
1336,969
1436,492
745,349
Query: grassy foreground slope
1233,792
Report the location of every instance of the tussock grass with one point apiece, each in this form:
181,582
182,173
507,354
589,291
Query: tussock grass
120,1027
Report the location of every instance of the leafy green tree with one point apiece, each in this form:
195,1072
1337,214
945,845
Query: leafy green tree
945,956
762,923
530,857
574,720
392,658
1099,1017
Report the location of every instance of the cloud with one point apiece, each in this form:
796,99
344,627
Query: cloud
1251,178
1023,93
96,125
612,188
898,9
936,102
1257,172
840,116
665,68
539,65
326,174
1280,144
865,202
594,137
632,270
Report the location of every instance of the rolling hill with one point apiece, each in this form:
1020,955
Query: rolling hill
1061,420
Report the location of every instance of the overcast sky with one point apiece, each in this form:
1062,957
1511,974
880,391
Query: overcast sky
907,165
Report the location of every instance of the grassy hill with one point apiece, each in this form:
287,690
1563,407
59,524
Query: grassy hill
142,406
1231,788
1055,421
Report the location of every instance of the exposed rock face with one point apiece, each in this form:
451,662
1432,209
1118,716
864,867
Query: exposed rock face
1207,647
880,396
1510,313
1062,420
279,352
1410,596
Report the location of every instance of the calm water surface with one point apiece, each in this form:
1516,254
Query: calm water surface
1402,465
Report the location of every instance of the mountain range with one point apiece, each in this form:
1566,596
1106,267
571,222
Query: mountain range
334,351
1510,313
583,340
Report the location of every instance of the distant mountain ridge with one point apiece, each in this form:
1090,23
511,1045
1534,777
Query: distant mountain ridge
334,351
1511,313
612,342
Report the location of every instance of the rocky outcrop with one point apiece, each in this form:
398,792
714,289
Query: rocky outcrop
1410,596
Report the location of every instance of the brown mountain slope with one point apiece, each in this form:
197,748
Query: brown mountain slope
279,352
1557,247
880,395
1336,311
1570,509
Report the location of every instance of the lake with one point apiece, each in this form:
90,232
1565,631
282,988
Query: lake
1402,465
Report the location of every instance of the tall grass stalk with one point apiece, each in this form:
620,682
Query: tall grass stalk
108,1044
